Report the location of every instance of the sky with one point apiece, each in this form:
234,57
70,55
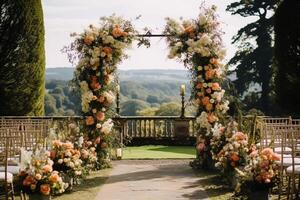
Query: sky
63,17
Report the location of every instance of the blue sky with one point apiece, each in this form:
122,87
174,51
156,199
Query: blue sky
63,17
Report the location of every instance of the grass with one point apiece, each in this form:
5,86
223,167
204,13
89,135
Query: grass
159,152
89,188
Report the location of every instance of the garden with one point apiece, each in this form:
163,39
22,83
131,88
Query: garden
220,153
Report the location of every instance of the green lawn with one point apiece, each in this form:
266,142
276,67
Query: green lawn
159,152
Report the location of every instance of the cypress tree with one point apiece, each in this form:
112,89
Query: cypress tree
287,56
22,58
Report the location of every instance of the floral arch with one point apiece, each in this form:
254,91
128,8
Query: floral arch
198,44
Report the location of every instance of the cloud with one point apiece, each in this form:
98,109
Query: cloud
65,16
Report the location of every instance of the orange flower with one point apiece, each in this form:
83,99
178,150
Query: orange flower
117,32
29,180
100,116
68,145
52,154
209,107
209,74
199,85
101,99
276,157
56,143
205,101
234,157
211,118
107,50
189,29
47,169
215,86
54,178
213,61
89,120
45,189
95,85
97,141
88,39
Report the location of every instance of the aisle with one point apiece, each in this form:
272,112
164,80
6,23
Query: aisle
152,180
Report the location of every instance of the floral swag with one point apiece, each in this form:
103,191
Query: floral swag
98,51
197,43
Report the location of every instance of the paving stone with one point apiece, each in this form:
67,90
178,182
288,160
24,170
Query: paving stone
152,180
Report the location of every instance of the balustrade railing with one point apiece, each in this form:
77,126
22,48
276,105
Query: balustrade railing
127,126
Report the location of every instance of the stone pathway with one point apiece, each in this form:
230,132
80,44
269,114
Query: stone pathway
152,180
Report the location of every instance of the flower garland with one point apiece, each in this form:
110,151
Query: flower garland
197,43
99,51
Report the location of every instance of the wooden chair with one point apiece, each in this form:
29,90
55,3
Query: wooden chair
293,171
6,178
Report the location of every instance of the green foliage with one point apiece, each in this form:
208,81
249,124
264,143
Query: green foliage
287,50
150,111
60,100
22,58
131,107
253,60
152,99
169,109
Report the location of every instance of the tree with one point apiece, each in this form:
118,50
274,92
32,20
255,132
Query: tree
22,58
152,99
287,56
131,107
169,109
253,60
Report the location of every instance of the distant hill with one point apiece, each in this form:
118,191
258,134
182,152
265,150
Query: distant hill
66,73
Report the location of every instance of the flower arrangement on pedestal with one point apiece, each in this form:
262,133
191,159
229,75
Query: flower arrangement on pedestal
39,178
98,51
197,43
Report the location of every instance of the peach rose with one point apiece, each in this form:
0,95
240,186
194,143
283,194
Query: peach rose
209,107
88,39
209,74
56,143
47,169
190,29
29,180
45,189
97,141
100,116
54,178
68,145
201,146
199,85
52,154
95,85
38,177
101,99
205,101
215,86
211,118
107,50
89,120
276,157
234,157
213,61
240,136
117,32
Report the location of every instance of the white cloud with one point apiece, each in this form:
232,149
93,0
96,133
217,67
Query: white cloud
65,16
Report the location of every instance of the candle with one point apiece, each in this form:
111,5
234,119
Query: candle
182,90
118,88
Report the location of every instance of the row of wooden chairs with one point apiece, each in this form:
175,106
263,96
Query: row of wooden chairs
9,152
283,135
24,135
